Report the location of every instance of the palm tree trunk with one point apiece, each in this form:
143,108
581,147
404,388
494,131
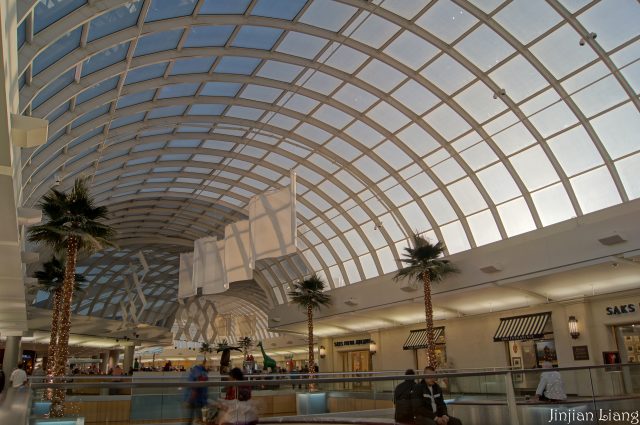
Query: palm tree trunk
57,408
428,311
53,340
312,364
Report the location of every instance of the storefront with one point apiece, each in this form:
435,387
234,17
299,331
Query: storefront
417,341
528,339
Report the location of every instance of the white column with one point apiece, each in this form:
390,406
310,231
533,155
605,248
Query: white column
12,356
104,365
128,358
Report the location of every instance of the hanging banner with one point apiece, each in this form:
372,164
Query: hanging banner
186,287
237,252
272,221
208,272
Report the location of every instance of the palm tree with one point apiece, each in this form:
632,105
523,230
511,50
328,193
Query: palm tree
72,225
425,264
50,280
309,294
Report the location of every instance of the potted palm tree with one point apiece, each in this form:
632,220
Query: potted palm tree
50,279
424,263
72,225
309,294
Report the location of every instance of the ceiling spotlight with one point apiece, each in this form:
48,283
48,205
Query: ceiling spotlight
592,36
377,225
501,93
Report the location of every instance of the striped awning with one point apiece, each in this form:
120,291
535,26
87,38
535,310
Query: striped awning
418,338
515,328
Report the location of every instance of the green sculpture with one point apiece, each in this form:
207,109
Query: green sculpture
268,361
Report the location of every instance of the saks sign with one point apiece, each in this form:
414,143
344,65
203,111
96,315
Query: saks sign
617,310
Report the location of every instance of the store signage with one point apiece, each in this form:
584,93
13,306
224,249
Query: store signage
621,309
580,352
353,342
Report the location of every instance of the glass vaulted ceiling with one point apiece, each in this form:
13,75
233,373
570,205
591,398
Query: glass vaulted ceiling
470,121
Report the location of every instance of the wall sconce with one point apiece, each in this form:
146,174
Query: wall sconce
323,352
573,327
373,347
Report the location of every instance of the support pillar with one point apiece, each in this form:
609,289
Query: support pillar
114,355
104,365
127,364
12,356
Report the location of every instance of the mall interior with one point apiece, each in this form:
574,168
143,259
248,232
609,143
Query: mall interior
241,146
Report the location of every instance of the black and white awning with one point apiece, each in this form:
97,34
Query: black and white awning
530,326
418,338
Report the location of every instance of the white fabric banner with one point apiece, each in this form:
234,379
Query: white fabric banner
208,272
237,251
186,287
272,218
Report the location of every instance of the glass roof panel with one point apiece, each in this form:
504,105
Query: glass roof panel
328,14
145,73
484,48
613,25
303,45
280,9
252,37
446,122
57,50
483,228
439,207
403,8
130,119
54,87
559,54
364,134
392,155
527,19
355,97
415,97
224,7
455,237
467,196
279,71
418,139
101,110
158,42
629,171
343,58
165,9
388,116
105,58
381,75
498,183
566,145
518,78
332,116
208,109
115,20
618,130
446,20
100,88
478,101
373,31
22,33
178,90
595,190
534,168
47,12
58,112
237,65
411,50
516,217
208,36
135,98
319,81
447,74
192,65
167,111
553,204
220,89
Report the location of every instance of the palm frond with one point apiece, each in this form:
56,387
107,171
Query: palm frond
424,258
310,293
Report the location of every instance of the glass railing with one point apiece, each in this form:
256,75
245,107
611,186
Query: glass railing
497,397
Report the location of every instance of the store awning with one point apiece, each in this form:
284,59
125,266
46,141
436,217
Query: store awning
516,328
418,338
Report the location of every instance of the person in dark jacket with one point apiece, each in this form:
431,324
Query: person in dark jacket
433,405
406,397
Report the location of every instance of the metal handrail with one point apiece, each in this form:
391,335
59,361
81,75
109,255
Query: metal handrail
131,381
